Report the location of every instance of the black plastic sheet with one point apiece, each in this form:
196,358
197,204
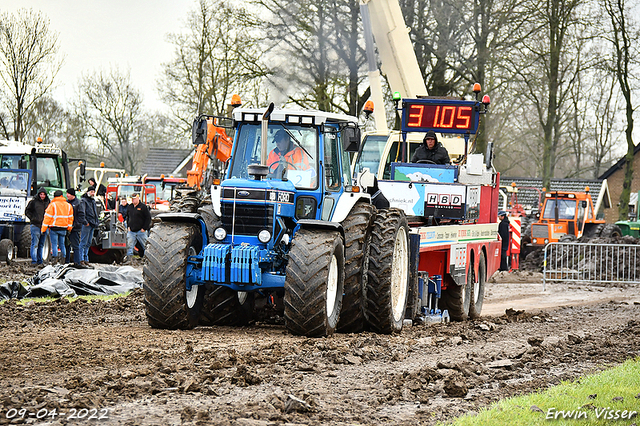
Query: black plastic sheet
65,280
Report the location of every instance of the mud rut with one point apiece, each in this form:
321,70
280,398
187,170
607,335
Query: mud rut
103,355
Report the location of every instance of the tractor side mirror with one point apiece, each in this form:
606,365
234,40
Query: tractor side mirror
199,131
584,204
83,168
22,163
351,139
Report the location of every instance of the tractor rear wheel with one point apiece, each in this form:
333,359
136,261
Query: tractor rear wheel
388,280
224,306
609,231
24,243
314,283
6,251
357,232
168,304
457,298
477,290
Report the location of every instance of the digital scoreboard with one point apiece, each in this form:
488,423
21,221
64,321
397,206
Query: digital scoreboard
440,115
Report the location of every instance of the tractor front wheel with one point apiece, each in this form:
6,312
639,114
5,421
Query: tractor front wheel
314,283
167,302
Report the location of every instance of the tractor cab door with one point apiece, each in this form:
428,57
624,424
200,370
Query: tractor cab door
337,171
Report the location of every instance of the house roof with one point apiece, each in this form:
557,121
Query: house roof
528,195
621,162
163,161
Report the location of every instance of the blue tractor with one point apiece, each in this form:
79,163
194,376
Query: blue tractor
286,231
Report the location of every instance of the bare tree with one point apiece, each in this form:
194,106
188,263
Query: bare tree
316,52
28,63
624,44
214,58
110,109
46,119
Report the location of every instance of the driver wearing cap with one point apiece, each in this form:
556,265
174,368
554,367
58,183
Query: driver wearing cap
287,154
431,151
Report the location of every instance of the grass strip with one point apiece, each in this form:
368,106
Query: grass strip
609,397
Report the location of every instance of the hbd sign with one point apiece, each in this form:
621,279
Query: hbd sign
445,201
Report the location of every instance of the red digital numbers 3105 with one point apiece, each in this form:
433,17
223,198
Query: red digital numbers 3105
440,116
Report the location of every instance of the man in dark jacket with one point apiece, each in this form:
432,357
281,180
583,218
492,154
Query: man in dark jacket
431,151
90,223
35,212
503,231
138,223
78,221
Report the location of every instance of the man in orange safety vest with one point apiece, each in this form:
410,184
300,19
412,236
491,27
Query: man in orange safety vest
286,154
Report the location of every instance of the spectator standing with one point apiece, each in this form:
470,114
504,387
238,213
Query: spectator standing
59,217
78,221
138,223
503,230
101,190
90,223
122,209
35,212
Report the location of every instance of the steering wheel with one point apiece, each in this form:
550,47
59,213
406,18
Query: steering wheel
273,167
425,162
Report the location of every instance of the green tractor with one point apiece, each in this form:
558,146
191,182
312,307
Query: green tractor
632,226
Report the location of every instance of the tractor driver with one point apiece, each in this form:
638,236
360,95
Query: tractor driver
431,151
286,154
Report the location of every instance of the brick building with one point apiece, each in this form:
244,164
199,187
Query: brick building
615,178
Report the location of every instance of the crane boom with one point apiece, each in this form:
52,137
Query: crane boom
396,52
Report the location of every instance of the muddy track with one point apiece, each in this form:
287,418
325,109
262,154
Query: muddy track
103,355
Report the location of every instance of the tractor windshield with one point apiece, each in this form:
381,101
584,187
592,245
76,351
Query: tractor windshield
566,209
292,152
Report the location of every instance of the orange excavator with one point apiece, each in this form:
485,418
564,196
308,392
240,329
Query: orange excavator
217,145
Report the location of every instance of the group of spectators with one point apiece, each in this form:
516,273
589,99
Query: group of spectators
71,222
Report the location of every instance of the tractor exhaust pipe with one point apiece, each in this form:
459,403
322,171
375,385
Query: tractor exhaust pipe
259,171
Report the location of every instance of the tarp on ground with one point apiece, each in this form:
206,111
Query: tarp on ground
65,280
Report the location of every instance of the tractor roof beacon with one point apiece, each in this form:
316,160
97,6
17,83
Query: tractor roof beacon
285,233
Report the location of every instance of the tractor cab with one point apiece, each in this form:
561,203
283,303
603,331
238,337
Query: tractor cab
564,213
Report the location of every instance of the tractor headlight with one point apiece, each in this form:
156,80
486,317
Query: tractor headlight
535,241
264,236
219,234
546,241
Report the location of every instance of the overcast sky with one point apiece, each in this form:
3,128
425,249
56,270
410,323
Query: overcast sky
125,34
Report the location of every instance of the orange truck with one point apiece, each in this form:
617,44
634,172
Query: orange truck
567,216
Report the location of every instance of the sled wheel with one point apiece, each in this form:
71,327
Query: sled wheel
477,291
388,281
168,304
314,283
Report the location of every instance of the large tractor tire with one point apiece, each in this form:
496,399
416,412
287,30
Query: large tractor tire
24,242
388,280
224,306
477,290
609,231
167,302
211,219
357,232
6,251
314,284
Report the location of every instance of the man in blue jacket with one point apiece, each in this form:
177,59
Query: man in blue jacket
89,225
78,221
